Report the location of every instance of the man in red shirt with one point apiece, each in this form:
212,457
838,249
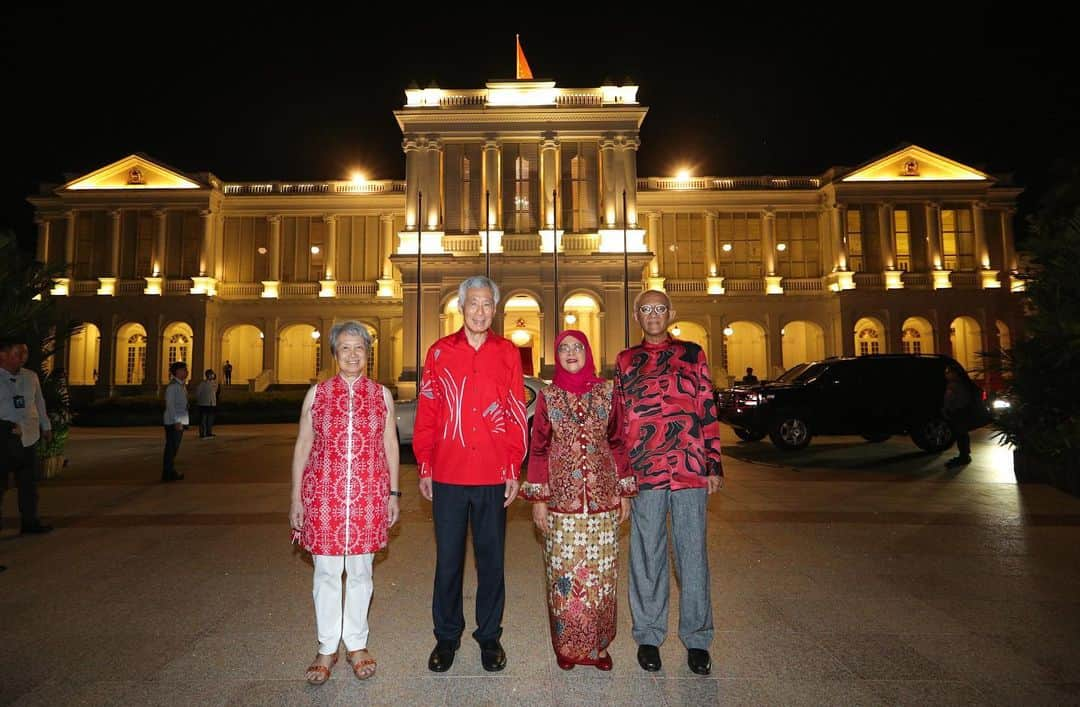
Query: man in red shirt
469,439
671,430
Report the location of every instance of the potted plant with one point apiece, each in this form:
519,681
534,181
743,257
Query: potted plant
54,390
1042,371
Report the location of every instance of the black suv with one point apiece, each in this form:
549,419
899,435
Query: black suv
873,396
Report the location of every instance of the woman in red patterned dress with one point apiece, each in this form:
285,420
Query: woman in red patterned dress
344,496
580,488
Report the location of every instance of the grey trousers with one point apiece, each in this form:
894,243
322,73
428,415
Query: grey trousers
649,583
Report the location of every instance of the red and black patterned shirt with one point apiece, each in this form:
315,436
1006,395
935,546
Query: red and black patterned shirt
669,415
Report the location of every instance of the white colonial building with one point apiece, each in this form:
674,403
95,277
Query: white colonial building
910,251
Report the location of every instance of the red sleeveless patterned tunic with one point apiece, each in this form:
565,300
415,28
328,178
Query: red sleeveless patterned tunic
346,482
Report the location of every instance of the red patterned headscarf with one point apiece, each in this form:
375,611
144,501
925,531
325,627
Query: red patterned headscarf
582,381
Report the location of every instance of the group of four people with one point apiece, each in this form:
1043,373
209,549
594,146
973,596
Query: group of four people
641,447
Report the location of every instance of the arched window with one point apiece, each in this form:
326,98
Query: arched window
869,341
136,359
179,346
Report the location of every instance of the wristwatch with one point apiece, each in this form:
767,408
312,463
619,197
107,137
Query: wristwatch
396,493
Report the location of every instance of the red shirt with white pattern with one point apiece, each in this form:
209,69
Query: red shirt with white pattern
346,483
471,424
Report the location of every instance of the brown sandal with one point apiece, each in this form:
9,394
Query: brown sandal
363,668
318,674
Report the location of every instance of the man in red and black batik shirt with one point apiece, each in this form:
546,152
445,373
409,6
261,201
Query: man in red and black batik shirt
469,440
673,439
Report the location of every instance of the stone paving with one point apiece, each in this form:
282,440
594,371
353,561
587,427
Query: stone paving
848,573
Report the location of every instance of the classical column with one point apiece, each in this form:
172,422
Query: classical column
328,285
988,276
933,235
42,253
768,241
628,153
655,280
978,222
414,174
270,347
206,246
892,275
386,284
433,191
549,180
155,280
711,266
714,283
492,184
161,221
768,252
886,238
62,285
114,242
1008,242
608,206
107,282
69,243
838,213
273,253
205,283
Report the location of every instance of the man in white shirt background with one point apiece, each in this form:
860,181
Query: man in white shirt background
176,418
23,421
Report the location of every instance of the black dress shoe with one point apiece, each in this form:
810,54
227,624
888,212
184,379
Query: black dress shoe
36,529
492,655
442,656
699,661
648,657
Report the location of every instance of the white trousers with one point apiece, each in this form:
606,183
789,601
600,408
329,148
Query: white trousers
327,594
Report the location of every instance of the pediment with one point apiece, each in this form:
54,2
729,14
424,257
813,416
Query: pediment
134,172
914,163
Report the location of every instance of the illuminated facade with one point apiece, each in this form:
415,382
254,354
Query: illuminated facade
908,252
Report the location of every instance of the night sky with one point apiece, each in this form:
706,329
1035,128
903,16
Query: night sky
251,94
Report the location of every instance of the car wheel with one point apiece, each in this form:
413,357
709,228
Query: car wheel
875,436
933,435
790,431
749,435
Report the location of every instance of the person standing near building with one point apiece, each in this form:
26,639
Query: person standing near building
672,437
23,421
469,441
227,370
206,396
345,497
956,408
176,418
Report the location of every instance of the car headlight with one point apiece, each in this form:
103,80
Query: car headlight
1001,404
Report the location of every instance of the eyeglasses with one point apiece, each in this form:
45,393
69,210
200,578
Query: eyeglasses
650,308
571,348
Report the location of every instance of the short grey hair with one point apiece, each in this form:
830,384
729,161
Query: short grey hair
351,328
641,296
474,282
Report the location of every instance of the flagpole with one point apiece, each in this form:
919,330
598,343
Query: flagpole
555,257
626,276
419,280
487,240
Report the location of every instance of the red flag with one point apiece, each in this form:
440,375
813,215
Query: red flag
523,70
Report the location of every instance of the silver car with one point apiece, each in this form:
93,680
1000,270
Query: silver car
405,410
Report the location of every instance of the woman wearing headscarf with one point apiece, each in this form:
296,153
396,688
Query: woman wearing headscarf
580,487
344,497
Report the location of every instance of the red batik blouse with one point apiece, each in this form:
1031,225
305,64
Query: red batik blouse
576,459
